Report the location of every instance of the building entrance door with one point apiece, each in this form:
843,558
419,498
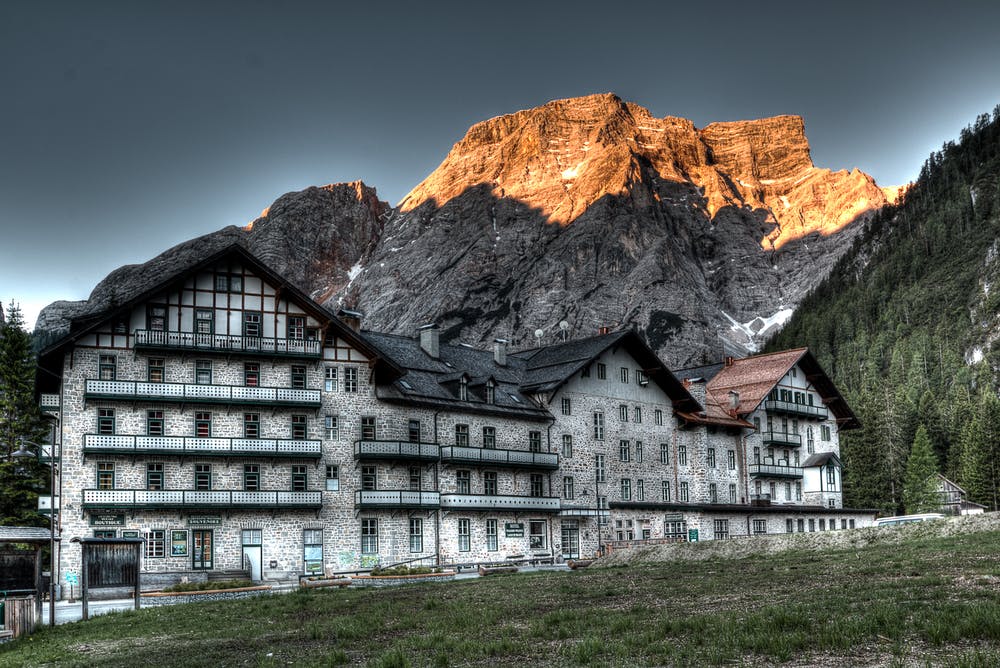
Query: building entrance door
571,539
252,553
201,549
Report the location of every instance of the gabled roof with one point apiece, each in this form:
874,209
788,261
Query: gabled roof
35,535
163,276
754,377
550,367
821,459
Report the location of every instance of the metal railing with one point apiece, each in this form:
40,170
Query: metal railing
370,449
49,402
775,471
498,457
781,438
228,343
196,393
391,498
124,444
508,502
791,408
163,498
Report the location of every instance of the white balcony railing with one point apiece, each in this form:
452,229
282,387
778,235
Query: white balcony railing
391,498
775,471
228,343
149,498
190,392
189,445
490,502
499,457
396,450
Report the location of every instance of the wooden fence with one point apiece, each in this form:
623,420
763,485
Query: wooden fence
20,615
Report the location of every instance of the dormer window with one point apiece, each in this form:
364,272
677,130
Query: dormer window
491,392
463,389
156,318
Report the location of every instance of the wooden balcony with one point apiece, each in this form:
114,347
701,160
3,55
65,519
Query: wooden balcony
781,439
800,410
191,446
229,344
397,450
455,454
545,504
191,499
192,393
392,498
775,470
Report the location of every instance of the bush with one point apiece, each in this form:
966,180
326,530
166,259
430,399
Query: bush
208,586
405,570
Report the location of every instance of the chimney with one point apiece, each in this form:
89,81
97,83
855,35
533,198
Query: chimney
351,318
500,352
729,360
734,401
429,340
603,329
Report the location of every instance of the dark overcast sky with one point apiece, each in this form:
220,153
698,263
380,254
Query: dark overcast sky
126,127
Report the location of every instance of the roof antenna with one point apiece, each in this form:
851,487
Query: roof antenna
564,328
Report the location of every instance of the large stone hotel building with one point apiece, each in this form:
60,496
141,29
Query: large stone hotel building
234,424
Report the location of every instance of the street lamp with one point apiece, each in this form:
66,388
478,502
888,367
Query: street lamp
22,455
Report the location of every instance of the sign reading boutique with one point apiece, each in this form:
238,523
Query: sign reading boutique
107,519
204,520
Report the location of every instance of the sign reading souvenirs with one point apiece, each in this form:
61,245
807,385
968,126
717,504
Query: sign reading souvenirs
204,520
514,529
107,519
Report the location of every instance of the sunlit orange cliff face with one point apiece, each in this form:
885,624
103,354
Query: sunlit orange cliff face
564,156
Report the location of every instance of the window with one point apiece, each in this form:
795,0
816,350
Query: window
413,431
369,536
228,283
535,485
624,375
602,371
155,543
732,492
682,455
658,417
602,508
252,324
312,550
812,525
536,534
330,379
299,479
368,432
296,327
534,441
756,455
824,430
203,372
638,451
567,408
684,492
202,424
626,485
713,493
795,426
640,490
599,472
788,491
624,451
491,392
202,477
463,482
598,426
721,529
731,456
332,478
251,374
623,413
789,525
490,483
369,477
489,437
251,425
156,318
415,478
822,524
154,476
843,524
831,475
567,445
105,420
759,527
462,435
711,458
772,493
463,389
665,489
298,379
105,475
798,491
351,379
637,414
492,543
107,367
800,525
204,323
155,369
850,523
568,487
416,534
640,377
251,477
464,536
154,423
332,427
664,453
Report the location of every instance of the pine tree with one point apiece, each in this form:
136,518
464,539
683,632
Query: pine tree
20,418
920,491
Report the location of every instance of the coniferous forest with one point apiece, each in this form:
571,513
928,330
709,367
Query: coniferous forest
908,325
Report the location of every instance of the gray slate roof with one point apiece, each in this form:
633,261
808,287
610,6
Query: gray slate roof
24,535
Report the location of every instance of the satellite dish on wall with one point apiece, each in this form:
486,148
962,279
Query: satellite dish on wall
539,333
